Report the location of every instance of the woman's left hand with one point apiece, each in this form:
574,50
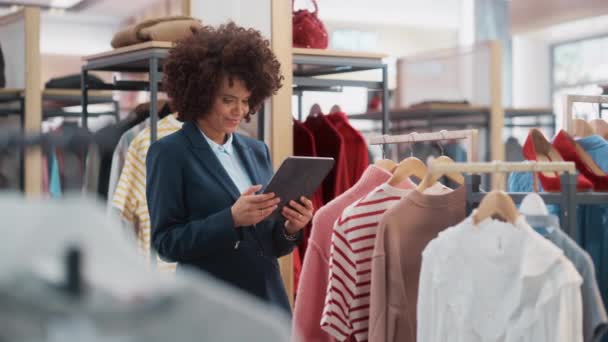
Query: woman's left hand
297,215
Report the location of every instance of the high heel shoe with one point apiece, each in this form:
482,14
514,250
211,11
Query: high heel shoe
573,151
538,148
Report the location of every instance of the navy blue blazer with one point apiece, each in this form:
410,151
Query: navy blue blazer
189,197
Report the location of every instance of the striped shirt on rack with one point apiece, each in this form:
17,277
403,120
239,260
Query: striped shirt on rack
346,311
130,195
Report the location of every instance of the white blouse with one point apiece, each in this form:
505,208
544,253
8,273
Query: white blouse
497,282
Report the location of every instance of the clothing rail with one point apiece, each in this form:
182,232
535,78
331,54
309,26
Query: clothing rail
471,135
503,167
569,100
567,198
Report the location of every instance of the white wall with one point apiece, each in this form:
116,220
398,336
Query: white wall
531,72
247,13
12,37
394,41
74,35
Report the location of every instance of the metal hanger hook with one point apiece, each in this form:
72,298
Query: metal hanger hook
383,146
412,142
440,142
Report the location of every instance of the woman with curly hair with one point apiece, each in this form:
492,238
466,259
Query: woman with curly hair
202,180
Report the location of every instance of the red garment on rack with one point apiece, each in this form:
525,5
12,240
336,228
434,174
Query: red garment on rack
358,157
329,143
304,145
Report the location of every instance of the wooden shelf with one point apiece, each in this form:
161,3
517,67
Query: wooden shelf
130,48
11,92
334,53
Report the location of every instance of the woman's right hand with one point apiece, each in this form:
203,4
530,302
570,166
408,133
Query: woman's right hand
250,209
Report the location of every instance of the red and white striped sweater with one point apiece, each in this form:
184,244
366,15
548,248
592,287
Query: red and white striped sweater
346,310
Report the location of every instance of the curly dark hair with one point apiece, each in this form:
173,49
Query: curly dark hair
196,66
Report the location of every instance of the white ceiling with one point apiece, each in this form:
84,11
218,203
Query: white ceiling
413,13
571,30
529,15
115,8
45,3
108,11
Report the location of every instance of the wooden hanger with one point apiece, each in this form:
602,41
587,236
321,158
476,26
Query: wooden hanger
315,110
600,127
386,164
335,109
408,167
582,128
431,178
496,204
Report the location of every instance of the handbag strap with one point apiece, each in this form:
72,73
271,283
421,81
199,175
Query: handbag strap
314,2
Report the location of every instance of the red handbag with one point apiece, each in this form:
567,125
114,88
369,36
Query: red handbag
308,30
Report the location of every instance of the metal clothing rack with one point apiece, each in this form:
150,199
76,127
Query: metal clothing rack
432,117
536,114
568,198
570,100
139,58
471,135
73,97
67,97
308,64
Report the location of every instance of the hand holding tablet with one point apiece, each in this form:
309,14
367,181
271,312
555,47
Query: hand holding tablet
297,177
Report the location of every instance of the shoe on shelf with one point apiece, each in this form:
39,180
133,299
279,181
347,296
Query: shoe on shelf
538,148
571,150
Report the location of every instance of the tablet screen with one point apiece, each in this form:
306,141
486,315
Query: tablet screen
296,177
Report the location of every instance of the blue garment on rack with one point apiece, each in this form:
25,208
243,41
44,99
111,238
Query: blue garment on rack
592,220
55,178
594,312
456,152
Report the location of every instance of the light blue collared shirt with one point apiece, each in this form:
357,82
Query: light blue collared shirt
231,162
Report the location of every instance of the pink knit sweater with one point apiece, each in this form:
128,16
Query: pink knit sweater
313,279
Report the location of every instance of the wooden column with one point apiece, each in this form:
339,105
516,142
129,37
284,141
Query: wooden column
281,132
497,113
186,7
33,99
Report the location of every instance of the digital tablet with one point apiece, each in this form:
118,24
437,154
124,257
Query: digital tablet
296,177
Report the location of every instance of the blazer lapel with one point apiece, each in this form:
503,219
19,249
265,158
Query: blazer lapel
209,160
245,153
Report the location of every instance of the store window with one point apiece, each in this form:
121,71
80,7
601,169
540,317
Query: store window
580,67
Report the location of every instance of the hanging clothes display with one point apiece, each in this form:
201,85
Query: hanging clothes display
346,308
497,281
329,143
99,157
120,155
357,158
130,196
304,145
594,312
591,219
405,231
310,300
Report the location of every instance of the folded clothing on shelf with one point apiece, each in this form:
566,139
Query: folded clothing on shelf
170,29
